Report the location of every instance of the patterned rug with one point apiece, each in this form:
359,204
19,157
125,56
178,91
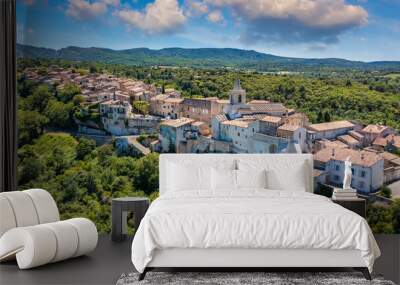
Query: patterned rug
244,278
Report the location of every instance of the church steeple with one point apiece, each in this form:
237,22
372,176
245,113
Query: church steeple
237,94
237,85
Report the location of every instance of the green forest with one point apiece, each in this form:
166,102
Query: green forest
83,177
367,96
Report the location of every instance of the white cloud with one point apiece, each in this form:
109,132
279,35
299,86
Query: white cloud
295,20
195,8
215,16
161,16
84,10
111,2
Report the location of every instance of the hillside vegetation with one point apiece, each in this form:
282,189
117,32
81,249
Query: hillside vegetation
200,57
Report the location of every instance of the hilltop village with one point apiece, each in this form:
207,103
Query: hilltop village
156,119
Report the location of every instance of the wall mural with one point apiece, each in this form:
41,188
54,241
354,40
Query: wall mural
105,86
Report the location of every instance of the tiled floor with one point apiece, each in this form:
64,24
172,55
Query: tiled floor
110,260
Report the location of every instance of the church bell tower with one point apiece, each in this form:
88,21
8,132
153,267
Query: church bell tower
237,95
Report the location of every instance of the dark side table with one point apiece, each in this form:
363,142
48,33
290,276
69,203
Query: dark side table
120,207
357,205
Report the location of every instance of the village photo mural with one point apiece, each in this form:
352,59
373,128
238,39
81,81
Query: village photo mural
105,86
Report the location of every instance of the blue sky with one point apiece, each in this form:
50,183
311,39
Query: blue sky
365,30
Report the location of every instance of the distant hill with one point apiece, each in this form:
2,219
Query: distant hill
200,57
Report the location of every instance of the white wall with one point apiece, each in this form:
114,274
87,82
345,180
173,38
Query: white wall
372,180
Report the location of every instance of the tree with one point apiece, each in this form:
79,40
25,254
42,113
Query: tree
31,167
57,160
163,88
396,215
154,195
78,99
104,153
386,192
59,114
25,87
68,92
320,117
142,107
84,147
327,117
145,173
121,186
380,219
92,69
30,126
39,98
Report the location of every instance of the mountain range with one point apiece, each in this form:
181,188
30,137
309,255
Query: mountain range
200,57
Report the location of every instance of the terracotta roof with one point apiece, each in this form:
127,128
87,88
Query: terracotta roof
198,123
238,123
259,102
380,141
114,102
178,122
173,100
390,138
171,90
333,144
270,107
348,139
288,127
374,129
396,140
356,135
331,126
160,97
363,158
271,119
391,157
244,109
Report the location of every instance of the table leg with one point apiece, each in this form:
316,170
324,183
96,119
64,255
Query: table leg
116,222
139,214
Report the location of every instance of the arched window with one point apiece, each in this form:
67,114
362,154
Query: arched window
240,99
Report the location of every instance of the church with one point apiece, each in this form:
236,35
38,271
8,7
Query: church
239,108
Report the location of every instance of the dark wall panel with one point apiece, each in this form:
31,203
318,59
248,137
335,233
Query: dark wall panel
8,102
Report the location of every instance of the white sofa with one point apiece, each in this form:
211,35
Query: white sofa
31,231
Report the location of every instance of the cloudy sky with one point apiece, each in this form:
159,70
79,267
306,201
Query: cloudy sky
353,29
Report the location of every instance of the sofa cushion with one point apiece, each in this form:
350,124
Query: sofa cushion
23,208
46,207
7,220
